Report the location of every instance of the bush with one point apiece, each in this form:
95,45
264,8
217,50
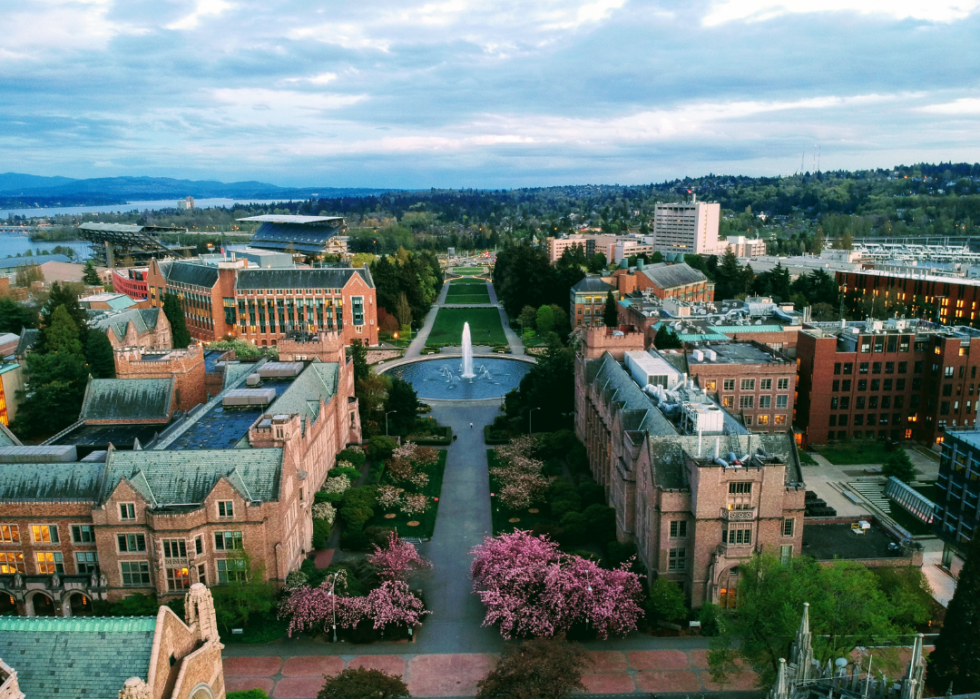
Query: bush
352,474
321,533
332,498
558,443
380,448
708,617
378,536
666,602
563,506
601,522
618,553
552,467
248,694
355,540
295,578
135,605
591,493
578,460
576,528
355,456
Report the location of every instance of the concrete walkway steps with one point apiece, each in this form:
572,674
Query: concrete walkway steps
873,492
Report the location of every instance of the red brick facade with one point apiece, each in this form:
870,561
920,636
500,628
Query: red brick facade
186,366
955,300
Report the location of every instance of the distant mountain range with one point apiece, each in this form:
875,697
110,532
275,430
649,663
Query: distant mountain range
19,191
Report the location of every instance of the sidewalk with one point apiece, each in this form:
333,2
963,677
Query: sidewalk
516,346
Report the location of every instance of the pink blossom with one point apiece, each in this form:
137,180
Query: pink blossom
394,603
399,560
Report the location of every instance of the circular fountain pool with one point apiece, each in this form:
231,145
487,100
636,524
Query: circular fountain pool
441,379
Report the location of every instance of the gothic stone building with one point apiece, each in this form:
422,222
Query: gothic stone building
695,504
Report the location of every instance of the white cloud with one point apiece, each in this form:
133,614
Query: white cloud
204,8
36,28
321,79
724,11
961,107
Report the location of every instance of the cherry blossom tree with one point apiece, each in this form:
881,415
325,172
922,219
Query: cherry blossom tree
394,604
398,560
530,588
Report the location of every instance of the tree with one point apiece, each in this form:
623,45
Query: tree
398,560
175,315
64,295
27,275
597,263
244,595
362,683
666,339
666,602
899,465
403,311
100,356
610,316
403,399
528,317
549,385
956,658
61,336
545,320
657,258
539,668
90,276
15,316
358,354
824,312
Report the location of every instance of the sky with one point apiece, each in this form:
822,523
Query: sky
484,93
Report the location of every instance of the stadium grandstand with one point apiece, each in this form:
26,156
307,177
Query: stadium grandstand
114,242
306,235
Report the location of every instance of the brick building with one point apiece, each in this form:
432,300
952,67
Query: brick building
893,379
264,305
587,300
956,518
222,480
185,366
749,380
951,300
694,489
161,657
661,280
131,282
135,327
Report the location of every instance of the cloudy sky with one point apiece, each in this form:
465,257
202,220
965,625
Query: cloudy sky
484,93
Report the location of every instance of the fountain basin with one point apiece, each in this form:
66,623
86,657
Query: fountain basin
441,378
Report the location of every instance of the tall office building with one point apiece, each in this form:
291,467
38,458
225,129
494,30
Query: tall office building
690,228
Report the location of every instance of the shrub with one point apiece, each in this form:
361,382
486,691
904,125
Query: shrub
552,467
380,448
560,508
354,540
355,516
666,602
708,617
324,511
321,533
295,578
601,521
366,496
248,694
135,605
576,528
618,553
352,474
333,498
353,455
591,493
557,443
336,485
379,536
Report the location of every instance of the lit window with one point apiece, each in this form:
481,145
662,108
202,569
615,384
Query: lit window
11,563
45,533
49,563
178,579
9,534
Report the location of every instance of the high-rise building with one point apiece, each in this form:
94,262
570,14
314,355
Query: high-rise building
690,227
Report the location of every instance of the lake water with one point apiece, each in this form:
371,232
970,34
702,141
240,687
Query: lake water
12,244
133,206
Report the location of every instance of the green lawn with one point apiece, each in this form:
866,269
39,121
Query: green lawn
468,270
428,519
467,280
467,294
448,328
854,453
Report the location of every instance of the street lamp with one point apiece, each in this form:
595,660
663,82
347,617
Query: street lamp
386,421
333,606
530,423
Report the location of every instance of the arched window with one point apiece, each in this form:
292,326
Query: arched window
202,691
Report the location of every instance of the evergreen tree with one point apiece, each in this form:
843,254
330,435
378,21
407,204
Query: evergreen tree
956,659
358,353
91,276
658,257
666,339
100,356
610,315
65,295
178,326
61,336
899,465
15,316
403,399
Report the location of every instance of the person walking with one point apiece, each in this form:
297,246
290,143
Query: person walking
471,425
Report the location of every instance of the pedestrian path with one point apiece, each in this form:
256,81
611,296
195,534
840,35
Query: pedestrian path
638,672
873,492
516,346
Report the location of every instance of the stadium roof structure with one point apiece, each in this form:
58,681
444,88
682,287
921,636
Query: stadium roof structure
308,235
129,240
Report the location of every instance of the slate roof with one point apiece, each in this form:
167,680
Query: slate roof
91,657
128,399
191,273
143,319
7,439
186,476
299,278
592,283
318,380
28,338
668,276
57,481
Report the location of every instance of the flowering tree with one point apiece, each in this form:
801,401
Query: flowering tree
406,451
419,479
399,560
394,603
530,588
324,511
389,496
336,485
400,469
426,455
415,504
520,490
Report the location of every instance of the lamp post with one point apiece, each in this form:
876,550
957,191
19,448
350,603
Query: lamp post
333,605
530,422
386,421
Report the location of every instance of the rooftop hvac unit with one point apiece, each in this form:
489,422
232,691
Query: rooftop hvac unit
711,355
698,355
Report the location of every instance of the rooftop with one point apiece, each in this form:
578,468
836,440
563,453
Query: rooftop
76,656
117,301
298,220
11,262
825,542
53,482
128,400
592,282
89,438
332,278
143,319
734,353
668,276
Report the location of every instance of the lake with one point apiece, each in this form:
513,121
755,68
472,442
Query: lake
133,206
12,244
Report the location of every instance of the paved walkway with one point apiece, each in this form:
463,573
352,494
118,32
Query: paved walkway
516,346
456,674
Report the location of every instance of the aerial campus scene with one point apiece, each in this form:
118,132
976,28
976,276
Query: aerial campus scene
510,350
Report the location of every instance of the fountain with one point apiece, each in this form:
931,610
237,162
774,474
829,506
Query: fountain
467,353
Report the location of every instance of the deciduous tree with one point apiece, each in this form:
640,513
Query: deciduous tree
956,658
543,668
362,683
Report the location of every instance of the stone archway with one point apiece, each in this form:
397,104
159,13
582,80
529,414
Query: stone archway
79,604
39,604
202,691
728,588
8,605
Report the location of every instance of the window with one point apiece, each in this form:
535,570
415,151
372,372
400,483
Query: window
228,541
846,386
865,346
863,368
748,421
948,372
763,420
786,552
879,344
729,384
899,384
783,384
889,367
788,525
178,579
728,402
782,401
11,563
765,401
876,368
226,508
748,384
678,529
745,401
202,575
740,487
87,562
886,402
83,533
131,543
917,367
677,559
50,562
903,367
837,368
859,402
135,573
9,534
848,368
886,385
765,384
858,421
833,403
900,402
873,402
836,386
127,510
779,420
737,535
199,545
231,570
845,402
948,389
833,421
45,533
875,384
174,548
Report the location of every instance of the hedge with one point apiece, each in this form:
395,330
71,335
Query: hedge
492,436
431,440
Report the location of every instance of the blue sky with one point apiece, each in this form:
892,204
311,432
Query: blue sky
484,93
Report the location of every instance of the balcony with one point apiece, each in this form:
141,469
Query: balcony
738,515
736,550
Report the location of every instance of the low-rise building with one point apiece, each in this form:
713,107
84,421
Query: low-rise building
662,280
587,300
135,327
743,246
693,488
11,381
590,244
956,520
